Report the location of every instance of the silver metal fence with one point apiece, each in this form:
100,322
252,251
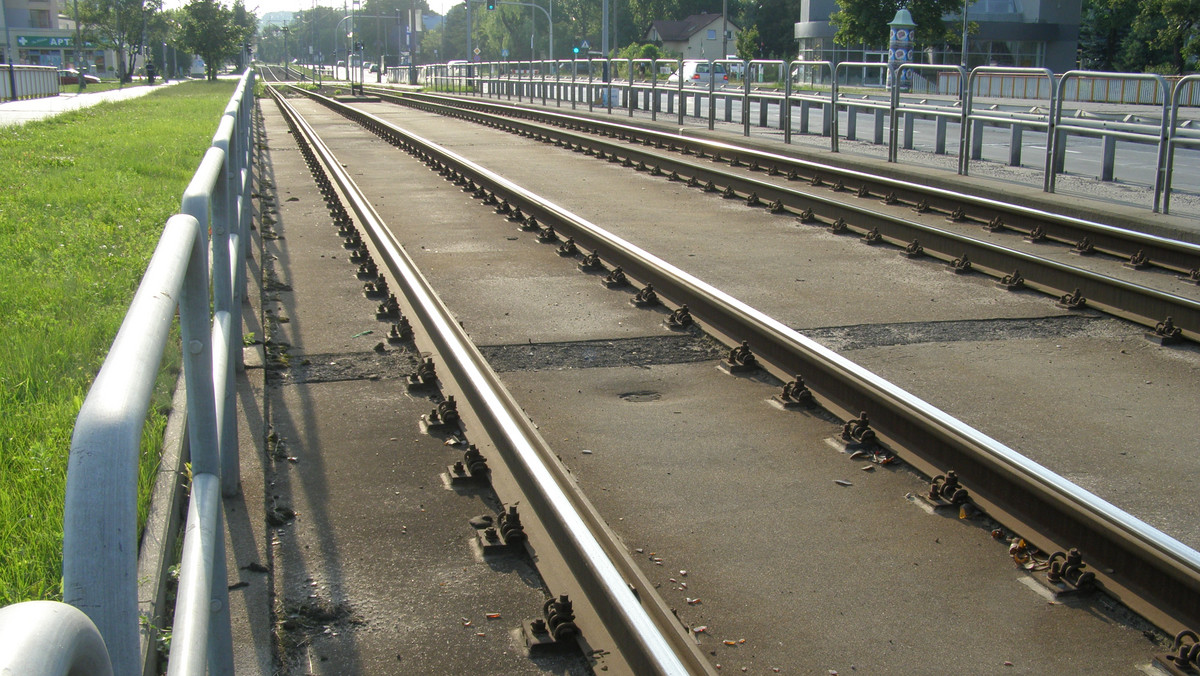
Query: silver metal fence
942,114
100,545
971,117
27,82
1109,132
1178,134
955,92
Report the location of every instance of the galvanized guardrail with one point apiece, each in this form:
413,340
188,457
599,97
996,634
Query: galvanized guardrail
100,547
27,82
626,84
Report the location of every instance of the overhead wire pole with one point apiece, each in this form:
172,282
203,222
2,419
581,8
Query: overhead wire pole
725,29
603,40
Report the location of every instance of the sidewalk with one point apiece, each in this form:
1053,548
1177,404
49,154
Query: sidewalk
20,112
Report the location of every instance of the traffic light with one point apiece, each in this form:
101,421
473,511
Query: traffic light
491,4
575,49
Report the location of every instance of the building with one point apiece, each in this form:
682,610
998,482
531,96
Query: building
41,33
696,37
1020,33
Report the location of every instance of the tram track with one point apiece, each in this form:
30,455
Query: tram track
1153,299
1018,493
640,628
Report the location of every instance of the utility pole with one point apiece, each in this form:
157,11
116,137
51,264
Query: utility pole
964,33
724,28
78,46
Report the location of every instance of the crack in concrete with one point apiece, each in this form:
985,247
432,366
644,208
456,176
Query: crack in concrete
646,351
864,336
381,364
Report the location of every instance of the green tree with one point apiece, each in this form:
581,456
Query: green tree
775,21
747,44
1104,27
1173,28
214,32
865,21
122,24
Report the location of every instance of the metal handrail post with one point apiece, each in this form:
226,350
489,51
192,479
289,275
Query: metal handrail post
786,109
679,86
746,68
712,87
967,96
190,634
894,130
836,85
628,85
1060,141
795,65
1172,140
100,510
48,638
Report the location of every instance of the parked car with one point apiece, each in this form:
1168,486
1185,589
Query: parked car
70,76
698,72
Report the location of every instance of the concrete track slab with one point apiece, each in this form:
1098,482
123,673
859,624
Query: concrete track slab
821,281
834,285
453,234
743,497
370,558
734,502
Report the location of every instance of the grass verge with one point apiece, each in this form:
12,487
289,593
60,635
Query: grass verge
87,194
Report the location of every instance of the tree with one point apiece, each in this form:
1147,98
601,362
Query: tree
1161,36
1174,29
747,43
213,32
121,23
1104,26
775,21
865,21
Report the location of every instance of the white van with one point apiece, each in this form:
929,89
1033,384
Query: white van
698,73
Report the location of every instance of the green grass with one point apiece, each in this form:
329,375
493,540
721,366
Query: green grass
86,197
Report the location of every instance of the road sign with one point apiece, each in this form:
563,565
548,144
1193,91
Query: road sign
584,45
477,52
504,53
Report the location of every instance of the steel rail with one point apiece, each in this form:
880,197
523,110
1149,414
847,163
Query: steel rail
647,635
1135,302
1162,252
1154,574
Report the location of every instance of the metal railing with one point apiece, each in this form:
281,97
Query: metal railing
1018,123
942,114
27,82
100,547
1110,133
954,91
1178,135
